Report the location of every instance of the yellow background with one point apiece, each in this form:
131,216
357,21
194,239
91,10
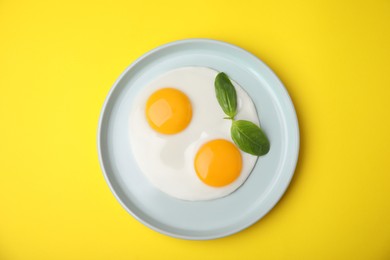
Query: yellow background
58,60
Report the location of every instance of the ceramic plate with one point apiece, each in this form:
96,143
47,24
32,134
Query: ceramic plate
206,219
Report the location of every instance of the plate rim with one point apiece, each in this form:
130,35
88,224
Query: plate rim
104,109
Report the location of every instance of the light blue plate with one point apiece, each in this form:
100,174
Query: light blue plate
208,219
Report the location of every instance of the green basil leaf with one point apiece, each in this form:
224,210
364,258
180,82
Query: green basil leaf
249,137
226,94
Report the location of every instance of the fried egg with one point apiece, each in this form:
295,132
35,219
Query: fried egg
180,139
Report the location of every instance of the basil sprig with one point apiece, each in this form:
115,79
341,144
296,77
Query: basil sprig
249,137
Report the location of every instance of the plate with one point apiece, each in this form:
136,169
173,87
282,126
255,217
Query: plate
203,219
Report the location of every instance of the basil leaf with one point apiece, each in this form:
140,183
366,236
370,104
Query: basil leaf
249,137
226,94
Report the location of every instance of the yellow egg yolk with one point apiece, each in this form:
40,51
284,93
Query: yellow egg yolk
168,111
218,163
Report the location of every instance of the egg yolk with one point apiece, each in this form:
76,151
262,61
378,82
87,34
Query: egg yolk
218,163
168,111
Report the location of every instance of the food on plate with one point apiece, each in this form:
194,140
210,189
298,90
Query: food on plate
185,144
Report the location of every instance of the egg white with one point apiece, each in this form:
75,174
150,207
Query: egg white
168,160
